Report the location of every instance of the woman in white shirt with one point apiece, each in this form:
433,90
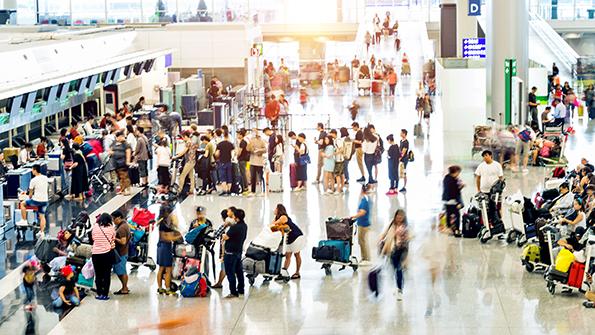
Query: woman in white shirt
130,138
163,162
369,146
575,217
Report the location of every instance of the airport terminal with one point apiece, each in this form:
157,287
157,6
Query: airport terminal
297,166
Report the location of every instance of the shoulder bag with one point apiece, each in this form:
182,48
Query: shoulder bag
305,158
115,256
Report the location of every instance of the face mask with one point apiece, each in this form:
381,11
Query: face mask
230,221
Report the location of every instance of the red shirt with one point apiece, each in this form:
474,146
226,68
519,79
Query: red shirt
272,109
73,133
40,151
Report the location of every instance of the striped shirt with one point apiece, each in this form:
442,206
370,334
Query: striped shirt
102,243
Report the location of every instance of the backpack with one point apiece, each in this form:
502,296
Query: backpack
339,150
348,148
559,172
525,135
194,284
379,150
44,249
410,156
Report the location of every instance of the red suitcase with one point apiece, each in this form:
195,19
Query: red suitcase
377,86
292,175
576,274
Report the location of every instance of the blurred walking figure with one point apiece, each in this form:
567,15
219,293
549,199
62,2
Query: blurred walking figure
394,243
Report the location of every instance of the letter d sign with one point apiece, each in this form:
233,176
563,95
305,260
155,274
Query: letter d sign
474,8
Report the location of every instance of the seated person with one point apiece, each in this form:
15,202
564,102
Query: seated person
574,218
588,165
589,199
546,117
562,202
67,293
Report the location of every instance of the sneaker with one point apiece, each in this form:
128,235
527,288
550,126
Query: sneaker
403,190
525,170
391,192
161,291
231,296
399,294
170,292
361,180
364,263
250,195
316,182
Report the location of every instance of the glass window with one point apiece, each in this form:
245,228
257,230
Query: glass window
26,12
123,11
54,12
159,10
88,12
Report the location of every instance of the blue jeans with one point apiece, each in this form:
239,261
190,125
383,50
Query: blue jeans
346,169
29,294
393,174
370,161
234,271
57,303
396,258
225,173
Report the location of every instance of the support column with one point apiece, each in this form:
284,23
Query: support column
466,25
506,37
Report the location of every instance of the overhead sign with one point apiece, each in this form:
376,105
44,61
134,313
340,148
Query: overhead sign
474,8
474,48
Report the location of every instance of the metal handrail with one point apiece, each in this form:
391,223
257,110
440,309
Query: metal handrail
557,44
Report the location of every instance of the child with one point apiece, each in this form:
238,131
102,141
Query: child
29,285
67,292
394,157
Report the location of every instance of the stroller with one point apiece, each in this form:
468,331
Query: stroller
337,249
98,180
490,205
81,226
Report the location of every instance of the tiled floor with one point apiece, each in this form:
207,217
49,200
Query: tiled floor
482,289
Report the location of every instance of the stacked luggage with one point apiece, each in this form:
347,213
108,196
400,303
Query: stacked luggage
338,246
263,261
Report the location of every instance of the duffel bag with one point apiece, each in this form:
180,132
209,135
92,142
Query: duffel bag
326,253
339,229
257,252
252,266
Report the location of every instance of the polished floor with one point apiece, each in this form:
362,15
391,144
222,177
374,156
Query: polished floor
481,289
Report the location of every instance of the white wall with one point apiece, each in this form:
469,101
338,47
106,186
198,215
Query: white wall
462,94
200,45
538,78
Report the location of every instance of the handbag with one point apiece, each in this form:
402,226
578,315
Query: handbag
305,158
115,256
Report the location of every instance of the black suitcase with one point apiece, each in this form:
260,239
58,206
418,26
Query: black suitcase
374,280
544,250
470,225
134,175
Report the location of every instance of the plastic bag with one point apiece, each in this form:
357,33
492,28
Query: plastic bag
57,263
88,270
268,239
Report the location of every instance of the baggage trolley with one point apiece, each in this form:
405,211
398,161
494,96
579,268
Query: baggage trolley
345,235
272,264
576,277
138,253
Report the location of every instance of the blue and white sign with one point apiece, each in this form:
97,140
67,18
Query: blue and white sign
474,8
474,48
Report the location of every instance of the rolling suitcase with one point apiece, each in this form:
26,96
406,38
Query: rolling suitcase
293,175
276,182
398,44
134,175
470,225
374,280
576,274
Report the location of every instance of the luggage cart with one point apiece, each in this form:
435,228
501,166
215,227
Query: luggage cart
272,264
351,260
568,280
541,266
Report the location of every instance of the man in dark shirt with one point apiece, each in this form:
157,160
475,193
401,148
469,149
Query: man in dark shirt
243,157
533,104
321,135
271,145
234,246
122,243
404,146
359,153
223,154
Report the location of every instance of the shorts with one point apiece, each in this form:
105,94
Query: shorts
522,148
297,245
403,169
165,254
142,169
225,173
163,176
339,168
41,205
120,268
